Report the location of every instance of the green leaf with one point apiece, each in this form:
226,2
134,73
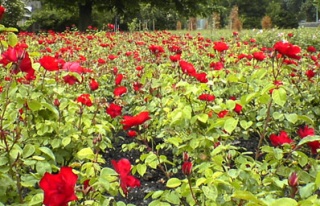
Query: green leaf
230,125
173,182
203,118
3,161
51,108
48,152
309,139
34,105
293,118
28,150
318,180
12,39
307,190
279,96
141,168
246,195
306,119
66,141
277,115
210,192
36,199
85,153
245,125
284,202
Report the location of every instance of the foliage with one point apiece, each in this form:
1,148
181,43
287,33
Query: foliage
14,13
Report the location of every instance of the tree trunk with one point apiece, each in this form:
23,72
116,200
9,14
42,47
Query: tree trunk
85,15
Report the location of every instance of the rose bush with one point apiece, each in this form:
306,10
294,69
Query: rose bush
183,103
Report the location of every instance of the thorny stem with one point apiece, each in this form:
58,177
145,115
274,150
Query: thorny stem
3,136
263,133
192,193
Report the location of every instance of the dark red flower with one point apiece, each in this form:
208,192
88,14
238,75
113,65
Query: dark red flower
282,138
311,49
2,11
186,168
56,102
220,46
130,121
310,73
114,110
201,77
123,168
137,86
207,97
216,65
259,56
132,133
110,26
118,79
70,79
288,49
175,58
156,49
186,165
238,108
49,63
84,99
223,113
293,180
112,57
307,131
59,189
187,68
94,85
118,91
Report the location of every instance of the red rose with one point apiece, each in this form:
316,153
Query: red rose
118,79
123,168
238,108
114,110
175,58
187,68
207,97
186,167
307,131
2,10
282,138
84,99
132,133
310,73
201,77
217,65
259,56
155,49
119,91
111,26
137,86
94,85
130,121
59,188
223,113
70,79
311,49
49,63
220,46
293,180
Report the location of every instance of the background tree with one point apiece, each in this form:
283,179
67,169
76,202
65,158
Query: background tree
128,8
14,12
